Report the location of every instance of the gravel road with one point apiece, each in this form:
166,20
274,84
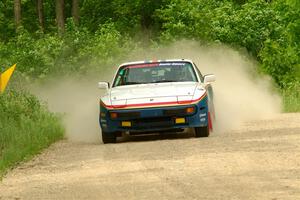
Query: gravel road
260,160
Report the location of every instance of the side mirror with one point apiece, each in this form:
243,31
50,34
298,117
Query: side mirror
103,85
209,78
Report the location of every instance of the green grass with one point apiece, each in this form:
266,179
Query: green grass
291,100
26,127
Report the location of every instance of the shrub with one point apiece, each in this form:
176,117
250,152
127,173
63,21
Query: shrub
26,127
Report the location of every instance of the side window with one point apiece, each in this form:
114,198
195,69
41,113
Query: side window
199,73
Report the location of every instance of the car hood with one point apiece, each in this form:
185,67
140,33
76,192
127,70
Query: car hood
152,93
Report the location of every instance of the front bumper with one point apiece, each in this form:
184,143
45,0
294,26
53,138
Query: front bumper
154,119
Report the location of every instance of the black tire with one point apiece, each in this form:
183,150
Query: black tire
202,131
108,139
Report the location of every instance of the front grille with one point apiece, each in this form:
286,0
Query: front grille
128,114
161,122
175,112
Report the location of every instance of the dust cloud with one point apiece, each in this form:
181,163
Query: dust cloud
240,94
78,101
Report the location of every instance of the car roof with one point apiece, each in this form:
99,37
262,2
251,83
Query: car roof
155,61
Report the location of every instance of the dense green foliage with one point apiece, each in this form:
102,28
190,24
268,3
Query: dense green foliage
39,55
269,30
26,127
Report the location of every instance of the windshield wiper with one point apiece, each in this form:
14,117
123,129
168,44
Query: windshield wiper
131,83
161,81
164,81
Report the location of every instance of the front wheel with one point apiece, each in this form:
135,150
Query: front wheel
202,131
108,138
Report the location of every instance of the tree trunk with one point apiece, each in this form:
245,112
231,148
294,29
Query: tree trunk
75,11
40,11
17,10
60,18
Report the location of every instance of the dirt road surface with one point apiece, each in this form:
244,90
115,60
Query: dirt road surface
261,160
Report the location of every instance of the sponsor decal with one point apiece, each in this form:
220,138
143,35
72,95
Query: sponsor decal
155,65
202,115
172,64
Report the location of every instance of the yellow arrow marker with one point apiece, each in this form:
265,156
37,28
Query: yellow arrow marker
5,76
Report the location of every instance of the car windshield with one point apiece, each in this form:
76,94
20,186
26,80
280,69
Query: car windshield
155,73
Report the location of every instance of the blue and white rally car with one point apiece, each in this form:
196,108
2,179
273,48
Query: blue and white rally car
156,96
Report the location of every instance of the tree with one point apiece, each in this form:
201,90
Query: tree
60,18
17,10
40,11
75,11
